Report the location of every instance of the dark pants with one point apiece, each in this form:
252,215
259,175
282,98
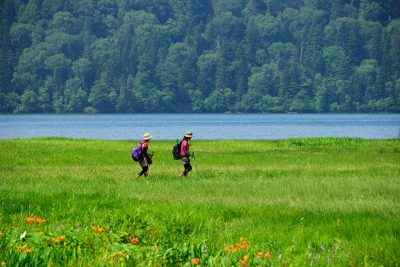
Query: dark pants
186,164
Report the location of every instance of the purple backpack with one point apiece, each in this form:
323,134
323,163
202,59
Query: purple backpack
137,152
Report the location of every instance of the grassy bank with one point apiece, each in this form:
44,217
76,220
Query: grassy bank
294,202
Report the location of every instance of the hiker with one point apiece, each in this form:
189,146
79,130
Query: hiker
185,153
144,159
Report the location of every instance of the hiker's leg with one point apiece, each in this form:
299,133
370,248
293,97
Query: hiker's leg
145,170
144,165
187,166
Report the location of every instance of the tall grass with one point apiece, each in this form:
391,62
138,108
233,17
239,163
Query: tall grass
322,201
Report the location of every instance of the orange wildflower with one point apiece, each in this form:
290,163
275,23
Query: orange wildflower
54,240
267,256
1,234
41,233
226,248
135,240
62,239
113,261
238,245
42,221
260,254
20,248
196,261
94,228
244,262
119,254
38,220
30,220
3,263
100,229
27,251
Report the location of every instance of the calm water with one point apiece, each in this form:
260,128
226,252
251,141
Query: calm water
204,126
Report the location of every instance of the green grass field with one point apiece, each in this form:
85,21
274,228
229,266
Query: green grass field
296,202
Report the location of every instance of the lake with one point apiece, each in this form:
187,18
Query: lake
204,126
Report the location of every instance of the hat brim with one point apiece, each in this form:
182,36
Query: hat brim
147,138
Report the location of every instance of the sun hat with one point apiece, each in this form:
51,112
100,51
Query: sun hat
188,134
147,136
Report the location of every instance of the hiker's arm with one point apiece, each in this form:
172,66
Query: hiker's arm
187,153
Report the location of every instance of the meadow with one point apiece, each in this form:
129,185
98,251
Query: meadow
295,202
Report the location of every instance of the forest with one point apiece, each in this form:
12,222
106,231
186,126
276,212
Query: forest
223,56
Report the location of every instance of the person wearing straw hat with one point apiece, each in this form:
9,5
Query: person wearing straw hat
185,153
145,160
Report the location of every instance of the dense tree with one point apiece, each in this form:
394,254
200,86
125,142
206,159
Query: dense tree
199,56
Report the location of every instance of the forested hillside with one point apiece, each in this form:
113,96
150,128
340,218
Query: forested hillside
200,56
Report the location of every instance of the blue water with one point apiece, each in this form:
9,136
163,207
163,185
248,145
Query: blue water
204,126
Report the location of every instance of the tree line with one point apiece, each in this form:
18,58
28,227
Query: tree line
199,56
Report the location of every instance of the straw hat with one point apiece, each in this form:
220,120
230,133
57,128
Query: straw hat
147,136
188,134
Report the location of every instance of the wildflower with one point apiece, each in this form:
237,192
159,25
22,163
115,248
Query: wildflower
226,248
119,254
135,240
196,261
42,221
41,233
267,256
38,220
30,220
244,246
54,240
20,248
237,245
260,254
100,229
244,262
94,228
1,234
62,239
27,251
3,263
113,261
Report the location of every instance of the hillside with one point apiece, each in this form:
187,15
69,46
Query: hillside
199,56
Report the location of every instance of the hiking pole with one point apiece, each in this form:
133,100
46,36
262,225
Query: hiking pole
194,159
